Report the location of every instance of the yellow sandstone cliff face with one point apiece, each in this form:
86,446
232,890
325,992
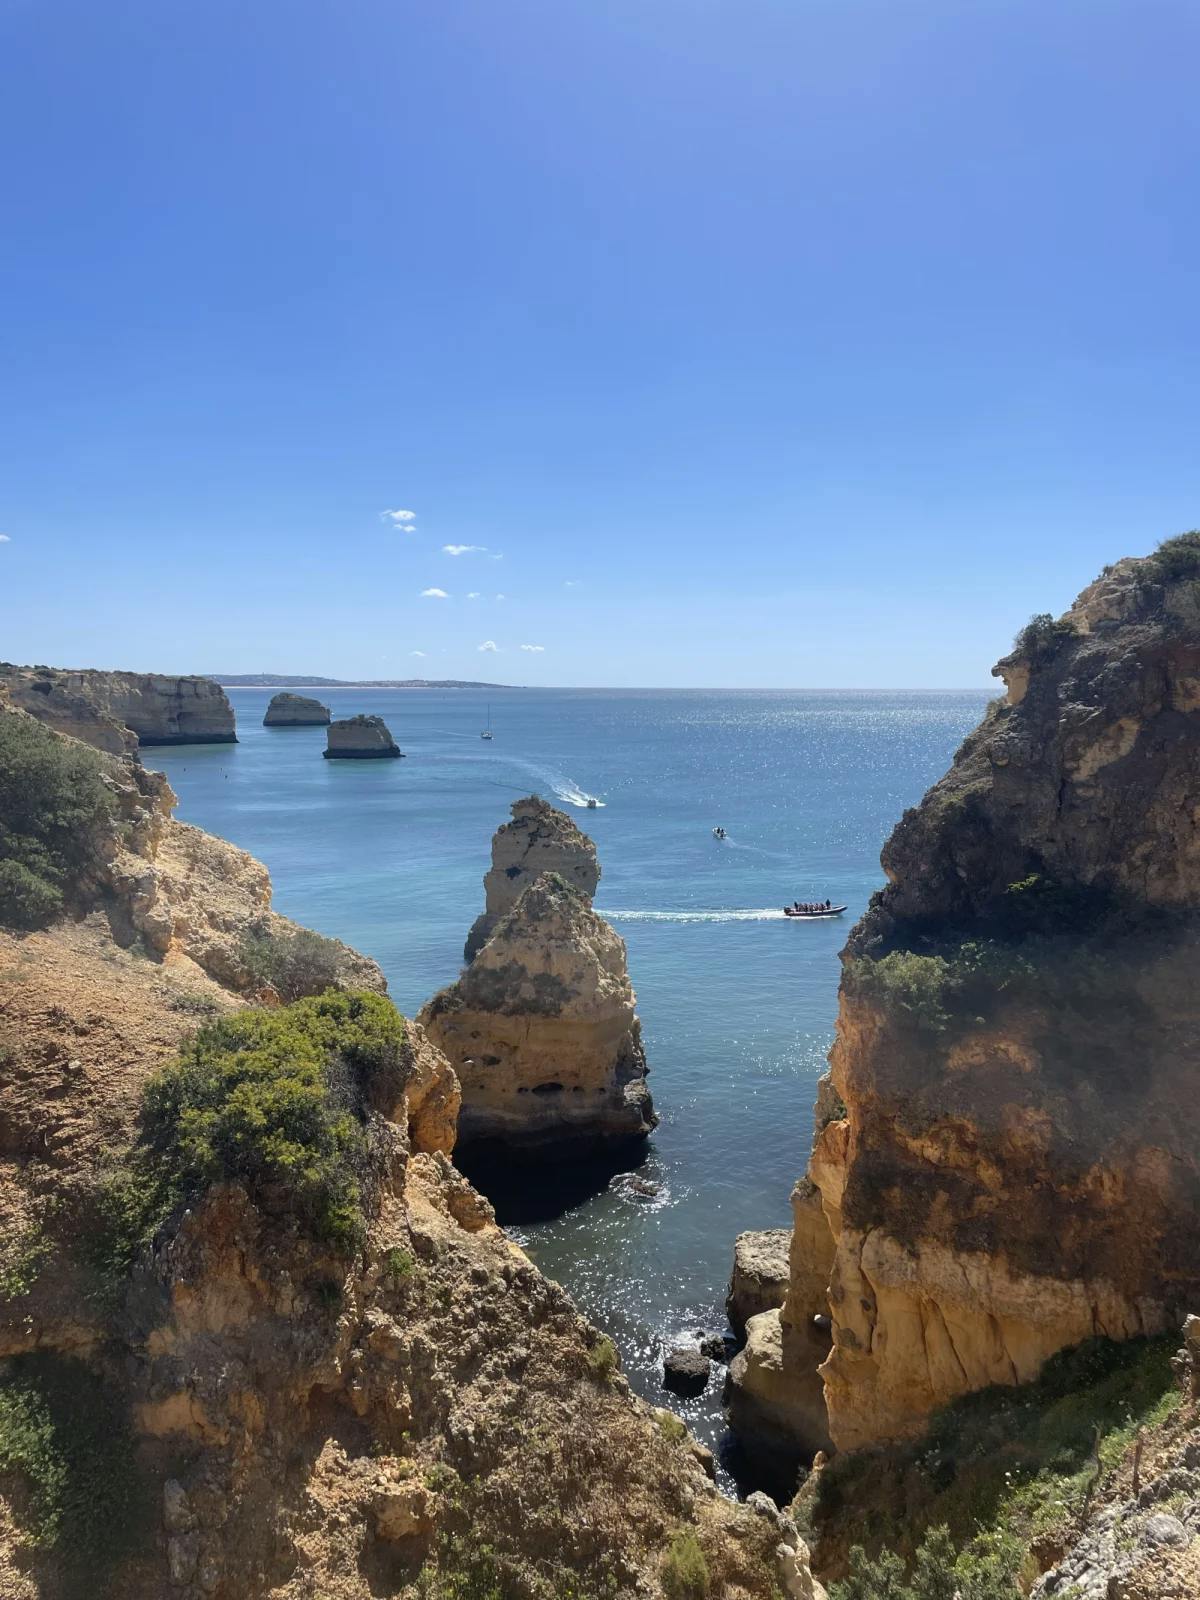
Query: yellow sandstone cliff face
1007,1156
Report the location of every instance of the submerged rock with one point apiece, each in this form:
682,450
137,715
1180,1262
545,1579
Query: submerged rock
686,1371
538,839
295,711
360,738
542,1030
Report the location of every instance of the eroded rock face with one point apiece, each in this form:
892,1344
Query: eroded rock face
538,839
117,711
295,711
360,738
1007,1156
760,1275
542,1029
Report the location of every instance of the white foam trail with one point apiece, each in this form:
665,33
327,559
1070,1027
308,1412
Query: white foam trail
572,796
766,914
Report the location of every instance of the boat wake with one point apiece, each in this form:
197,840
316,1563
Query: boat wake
766,914
571,795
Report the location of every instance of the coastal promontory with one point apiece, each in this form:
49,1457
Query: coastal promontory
118,711
360,738
542,1026
1007,1150
295,711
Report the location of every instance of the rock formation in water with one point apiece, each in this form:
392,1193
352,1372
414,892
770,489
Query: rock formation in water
229,1405
360,738
117,711
538,839
1007,1155
542,1029
295,711
760,1275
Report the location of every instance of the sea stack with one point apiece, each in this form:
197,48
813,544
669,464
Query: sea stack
360,739
295,711
1007,1150
538,839
542,1027
118,711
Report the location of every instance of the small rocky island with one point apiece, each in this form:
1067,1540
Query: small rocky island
542,1027
360,738
295,711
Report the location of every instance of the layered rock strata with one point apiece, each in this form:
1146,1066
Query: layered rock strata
1007,1156
538,839
542,1030
295,711
360,738
117,711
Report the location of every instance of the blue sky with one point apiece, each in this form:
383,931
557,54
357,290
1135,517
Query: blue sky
781,342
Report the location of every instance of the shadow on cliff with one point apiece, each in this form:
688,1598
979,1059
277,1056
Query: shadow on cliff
528,1186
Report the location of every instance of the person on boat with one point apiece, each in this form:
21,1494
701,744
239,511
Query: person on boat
829,905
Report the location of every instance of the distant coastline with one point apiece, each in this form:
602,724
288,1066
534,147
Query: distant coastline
282,680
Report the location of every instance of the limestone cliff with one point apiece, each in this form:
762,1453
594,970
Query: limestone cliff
538,839
236,1410
295,711
542,1029
1007,1156
117,711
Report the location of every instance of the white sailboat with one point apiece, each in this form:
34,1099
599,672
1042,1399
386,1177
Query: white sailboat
487,732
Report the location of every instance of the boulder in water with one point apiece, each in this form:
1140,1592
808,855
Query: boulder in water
295,711
360,739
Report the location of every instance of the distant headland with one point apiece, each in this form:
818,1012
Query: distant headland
284,680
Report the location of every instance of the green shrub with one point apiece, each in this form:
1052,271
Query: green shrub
672,1428
53,800
602,1361
22,1257
939,1573
1176,558
1042,636
296,965
64,1431
916,985
277,1101
398,1263
684,1573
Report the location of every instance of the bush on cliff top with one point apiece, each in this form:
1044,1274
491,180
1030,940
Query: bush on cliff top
1176,558
295,965
1042,636
53,799
277,1101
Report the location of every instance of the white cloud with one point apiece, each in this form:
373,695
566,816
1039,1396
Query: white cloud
400,520
434,594
416,652
474,595
572,583
497,556
535,649
4,539
491,645
463,549
499,597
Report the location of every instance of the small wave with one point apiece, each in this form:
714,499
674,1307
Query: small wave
766,914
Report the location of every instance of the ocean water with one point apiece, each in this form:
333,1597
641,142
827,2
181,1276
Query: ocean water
737,1002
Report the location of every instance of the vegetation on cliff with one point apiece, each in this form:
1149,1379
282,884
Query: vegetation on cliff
53,800
295,965
276,1101
1001,1475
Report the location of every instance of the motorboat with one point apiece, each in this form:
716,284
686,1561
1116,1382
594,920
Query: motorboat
719,833
592,802
813,913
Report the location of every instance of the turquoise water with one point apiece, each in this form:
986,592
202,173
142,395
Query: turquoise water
737,1003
